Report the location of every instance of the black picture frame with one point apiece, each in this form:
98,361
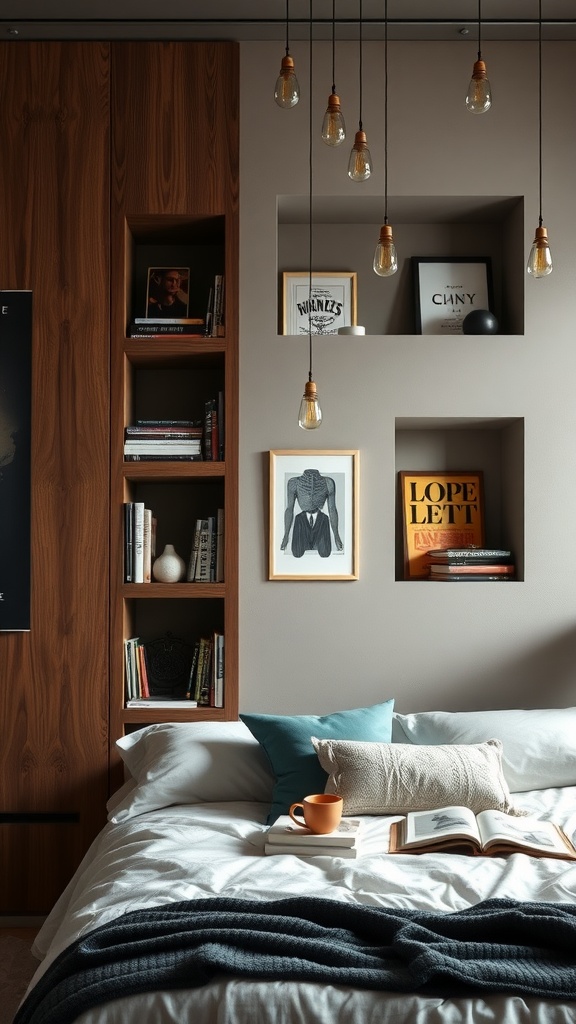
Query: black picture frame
447,288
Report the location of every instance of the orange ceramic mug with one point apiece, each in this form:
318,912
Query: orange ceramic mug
321,811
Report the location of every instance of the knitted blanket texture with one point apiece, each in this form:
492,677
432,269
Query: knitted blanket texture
499,945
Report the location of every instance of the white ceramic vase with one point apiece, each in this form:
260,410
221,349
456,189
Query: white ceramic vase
168,567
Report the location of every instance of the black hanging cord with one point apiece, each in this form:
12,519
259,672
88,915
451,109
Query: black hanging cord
385,111
479,29
287,27
540,113
333,47
360,65
310,203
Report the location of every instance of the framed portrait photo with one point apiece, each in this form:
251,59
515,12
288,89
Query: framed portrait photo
314,515
446,289
440,509
330,303
167,293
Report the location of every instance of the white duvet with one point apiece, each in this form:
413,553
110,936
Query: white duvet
217,849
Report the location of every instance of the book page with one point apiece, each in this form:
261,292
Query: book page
431,826
529,832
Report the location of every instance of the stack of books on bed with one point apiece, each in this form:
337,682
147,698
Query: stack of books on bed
457,565
286,837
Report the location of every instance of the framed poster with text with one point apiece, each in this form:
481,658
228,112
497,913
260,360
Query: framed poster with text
318,306
439,510
447,289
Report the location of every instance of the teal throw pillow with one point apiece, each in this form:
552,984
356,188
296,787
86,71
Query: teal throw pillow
287,742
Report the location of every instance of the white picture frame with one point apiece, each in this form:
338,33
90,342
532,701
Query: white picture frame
321,486
334,301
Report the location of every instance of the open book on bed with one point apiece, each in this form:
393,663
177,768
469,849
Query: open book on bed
489,833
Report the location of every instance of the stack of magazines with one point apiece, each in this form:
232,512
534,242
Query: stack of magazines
457,565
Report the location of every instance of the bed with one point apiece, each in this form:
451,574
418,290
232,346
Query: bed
187,832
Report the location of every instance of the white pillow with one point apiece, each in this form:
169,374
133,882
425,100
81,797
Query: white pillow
189,763
393,778
539,747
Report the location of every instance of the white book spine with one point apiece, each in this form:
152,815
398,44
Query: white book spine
138,542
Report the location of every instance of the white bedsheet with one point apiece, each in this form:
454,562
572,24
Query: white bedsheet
216,849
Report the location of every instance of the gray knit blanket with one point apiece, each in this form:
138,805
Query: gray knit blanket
498,945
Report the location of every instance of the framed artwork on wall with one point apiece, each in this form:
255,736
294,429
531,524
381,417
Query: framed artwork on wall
331,302
15,458
314,515
439,510
447,288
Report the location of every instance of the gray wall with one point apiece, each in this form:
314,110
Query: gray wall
320,646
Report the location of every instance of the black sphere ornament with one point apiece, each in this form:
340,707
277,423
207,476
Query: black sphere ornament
480,321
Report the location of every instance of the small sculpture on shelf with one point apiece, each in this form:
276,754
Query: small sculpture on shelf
480,321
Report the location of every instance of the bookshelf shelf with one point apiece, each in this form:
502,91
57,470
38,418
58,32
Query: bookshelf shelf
191,224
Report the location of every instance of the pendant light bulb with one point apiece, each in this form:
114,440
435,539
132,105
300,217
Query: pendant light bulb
540,258
479,95
287,91
333,127
385,257
360,163
310,415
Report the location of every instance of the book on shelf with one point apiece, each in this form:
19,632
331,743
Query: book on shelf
214,326
439,509
128,541
163,431
284,832
210,443
167,423
469,556
489,833
166,320
218,669
178,445
219,566
166,329
470,577
136,676
159,702
170,457
139,542
206,560
469,569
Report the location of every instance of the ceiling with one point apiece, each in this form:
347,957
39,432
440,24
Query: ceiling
454,20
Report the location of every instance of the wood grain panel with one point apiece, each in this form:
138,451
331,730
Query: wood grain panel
54,210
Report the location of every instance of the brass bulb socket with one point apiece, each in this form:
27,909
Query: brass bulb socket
310,391
287,65
386,235
479,70
334,103
360,140
540,238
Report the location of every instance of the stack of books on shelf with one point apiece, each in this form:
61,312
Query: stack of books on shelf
145,327
214,327
206,684
206,563
163,441
139,692
471,564
286,837
139,542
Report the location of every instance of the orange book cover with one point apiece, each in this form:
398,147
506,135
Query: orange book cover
439,510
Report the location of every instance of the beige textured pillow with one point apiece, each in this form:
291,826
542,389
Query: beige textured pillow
393,778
